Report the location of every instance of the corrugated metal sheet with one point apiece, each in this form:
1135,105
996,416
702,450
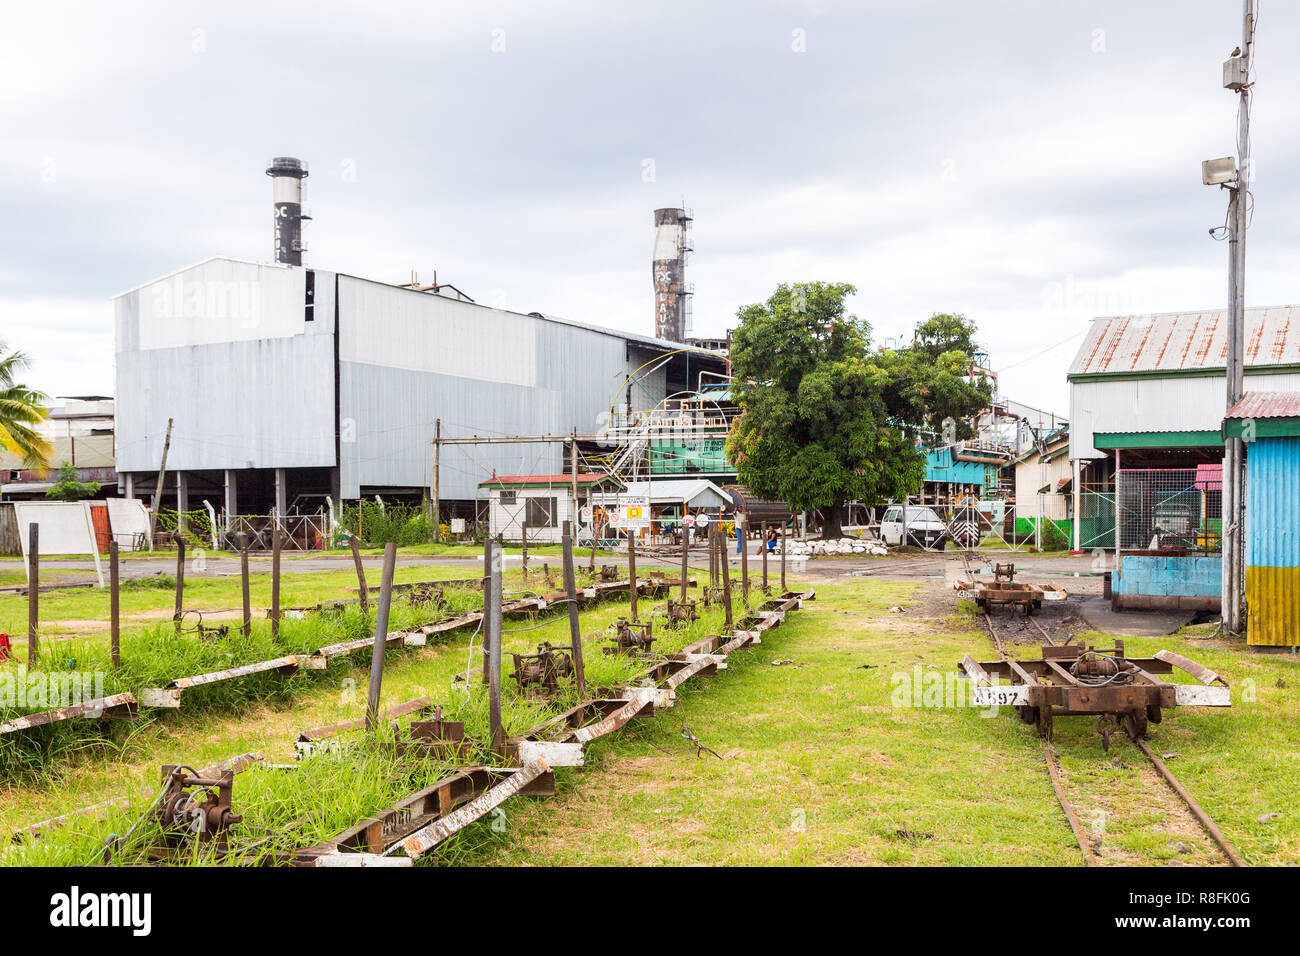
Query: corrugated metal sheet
554,376
1188,403
1273,541
1175,341
1267,405
261,398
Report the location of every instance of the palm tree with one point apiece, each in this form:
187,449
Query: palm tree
21,408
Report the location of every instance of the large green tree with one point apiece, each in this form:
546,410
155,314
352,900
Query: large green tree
826,417
21,408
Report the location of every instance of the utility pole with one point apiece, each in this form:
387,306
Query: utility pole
1236,76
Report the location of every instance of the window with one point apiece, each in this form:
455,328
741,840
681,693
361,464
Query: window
541,513
507,497
893,514
310,305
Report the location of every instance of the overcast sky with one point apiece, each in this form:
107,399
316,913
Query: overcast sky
1030,164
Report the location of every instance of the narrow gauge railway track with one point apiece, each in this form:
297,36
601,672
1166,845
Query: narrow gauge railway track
1202,818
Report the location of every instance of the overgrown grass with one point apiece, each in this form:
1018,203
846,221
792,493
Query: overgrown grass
337,793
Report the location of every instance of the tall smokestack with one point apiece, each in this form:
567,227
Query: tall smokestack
287,175
672,294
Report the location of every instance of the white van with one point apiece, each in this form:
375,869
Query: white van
924,527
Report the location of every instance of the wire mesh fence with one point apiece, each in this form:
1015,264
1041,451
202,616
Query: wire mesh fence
1169,509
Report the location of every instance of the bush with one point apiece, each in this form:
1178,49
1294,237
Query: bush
375,526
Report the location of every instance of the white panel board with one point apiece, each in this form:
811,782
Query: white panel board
127,518
65,528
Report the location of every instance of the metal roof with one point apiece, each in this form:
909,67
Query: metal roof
1267,405
693,492
561,481
1177,341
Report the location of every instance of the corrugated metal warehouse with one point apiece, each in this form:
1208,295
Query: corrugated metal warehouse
287,384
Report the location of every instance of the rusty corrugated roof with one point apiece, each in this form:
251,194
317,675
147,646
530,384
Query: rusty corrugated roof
1267,405
1174,341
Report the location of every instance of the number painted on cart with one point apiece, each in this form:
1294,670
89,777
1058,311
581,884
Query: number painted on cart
1005,695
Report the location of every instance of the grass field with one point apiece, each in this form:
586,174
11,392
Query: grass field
819,763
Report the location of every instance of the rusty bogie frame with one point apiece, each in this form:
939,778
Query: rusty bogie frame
607,573
541,672
990,594
1072,681
426,596
196,807
681,613
631,638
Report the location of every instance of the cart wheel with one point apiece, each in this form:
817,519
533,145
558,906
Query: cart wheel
1027,713
1153,713
1134,723
1029,608
1044,722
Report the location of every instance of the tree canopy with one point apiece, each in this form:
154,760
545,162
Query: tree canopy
826,417
21,408
69,487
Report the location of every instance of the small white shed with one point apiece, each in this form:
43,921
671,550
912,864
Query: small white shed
545,502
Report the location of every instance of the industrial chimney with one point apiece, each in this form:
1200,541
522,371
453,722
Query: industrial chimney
672,294
287,175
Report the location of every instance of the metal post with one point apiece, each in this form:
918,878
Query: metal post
33,592
179,611
575,631
726,576
1115,569
783,590
275,576
524,560
381,637
158,485
492,642
361,574
1233,521
631,570
243,574
114,611
182,501
742,539
1076,492
434,482
573,476
686,547
764,532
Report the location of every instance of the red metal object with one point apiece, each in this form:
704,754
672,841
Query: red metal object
5,648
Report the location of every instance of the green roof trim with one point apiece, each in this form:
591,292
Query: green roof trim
1263,428
1178,373
1121,440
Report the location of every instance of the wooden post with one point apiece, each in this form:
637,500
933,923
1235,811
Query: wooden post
686,547
33,592
114,612
631,570
575,631
742,538
243,574
158,486
179,610
381,638
764,532
492,641
361,573
783,591
275,576
725,565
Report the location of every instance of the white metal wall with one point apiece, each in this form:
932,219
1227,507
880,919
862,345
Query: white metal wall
1180,403
224,349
